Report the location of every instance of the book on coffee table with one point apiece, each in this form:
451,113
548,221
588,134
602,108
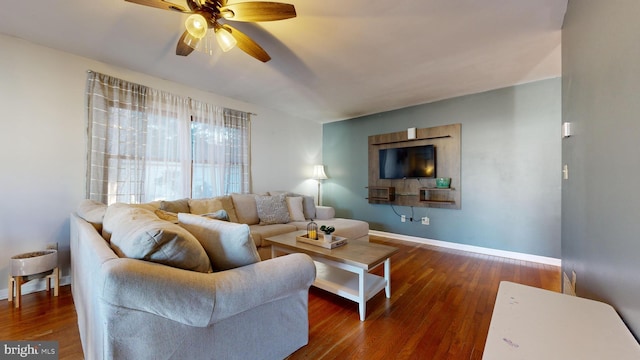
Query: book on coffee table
337,241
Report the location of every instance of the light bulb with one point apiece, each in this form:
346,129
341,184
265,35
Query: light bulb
196,25
225,39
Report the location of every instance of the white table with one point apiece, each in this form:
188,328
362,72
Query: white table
344,271
532,323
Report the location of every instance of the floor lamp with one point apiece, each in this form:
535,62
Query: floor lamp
318,175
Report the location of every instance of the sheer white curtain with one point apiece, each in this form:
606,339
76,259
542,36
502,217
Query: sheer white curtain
147,144
220,150
168,150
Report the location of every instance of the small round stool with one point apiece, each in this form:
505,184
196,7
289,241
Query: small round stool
30,266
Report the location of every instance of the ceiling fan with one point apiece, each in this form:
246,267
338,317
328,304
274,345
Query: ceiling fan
205,15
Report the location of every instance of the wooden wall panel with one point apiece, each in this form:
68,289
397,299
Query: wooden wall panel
411,192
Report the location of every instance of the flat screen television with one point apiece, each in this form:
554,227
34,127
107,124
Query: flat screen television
408,162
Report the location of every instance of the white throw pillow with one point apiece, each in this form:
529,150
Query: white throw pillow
294,203
228,245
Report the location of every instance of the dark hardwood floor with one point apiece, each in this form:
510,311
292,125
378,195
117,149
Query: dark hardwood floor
440,308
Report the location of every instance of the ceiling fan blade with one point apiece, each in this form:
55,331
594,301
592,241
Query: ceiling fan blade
247,45
160,4
182,48
258,11
193,4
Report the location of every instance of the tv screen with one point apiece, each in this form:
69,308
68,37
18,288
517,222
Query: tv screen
408,162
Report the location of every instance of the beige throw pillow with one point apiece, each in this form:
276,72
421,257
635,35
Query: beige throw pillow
228,245
245,207
151,239
294,203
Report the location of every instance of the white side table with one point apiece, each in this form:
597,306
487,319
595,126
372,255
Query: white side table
30,266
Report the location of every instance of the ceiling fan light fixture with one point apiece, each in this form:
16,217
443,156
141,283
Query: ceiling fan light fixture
191,41
225,39
196,25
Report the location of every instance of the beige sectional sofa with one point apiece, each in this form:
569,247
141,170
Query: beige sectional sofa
184,279
269,214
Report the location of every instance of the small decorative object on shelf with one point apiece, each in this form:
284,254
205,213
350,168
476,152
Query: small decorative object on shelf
327,230
312,230
443,183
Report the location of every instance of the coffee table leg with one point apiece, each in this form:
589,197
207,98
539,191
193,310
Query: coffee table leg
362,300
387,277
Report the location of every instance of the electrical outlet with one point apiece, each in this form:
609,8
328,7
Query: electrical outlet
403,218
425,221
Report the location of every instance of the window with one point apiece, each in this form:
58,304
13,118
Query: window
147,145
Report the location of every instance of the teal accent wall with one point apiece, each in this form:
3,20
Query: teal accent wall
600,200
510,169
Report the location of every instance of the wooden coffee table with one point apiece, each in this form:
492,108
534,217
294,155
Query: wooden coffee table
344,271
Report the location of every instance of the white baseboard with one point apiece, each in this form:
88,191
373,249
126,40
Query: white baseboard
470,248
34,285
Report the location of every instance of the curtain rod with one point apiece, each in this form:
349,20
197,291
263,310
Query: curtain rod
89,71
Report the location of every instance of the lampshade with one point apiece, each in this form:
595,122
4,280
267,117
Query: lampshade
196,25
318,173
225,39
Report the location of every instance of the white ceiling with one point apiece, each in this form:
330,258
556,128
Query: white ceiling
335,60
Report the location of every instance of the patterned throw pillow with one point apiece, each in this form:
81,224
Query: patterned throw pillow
272,209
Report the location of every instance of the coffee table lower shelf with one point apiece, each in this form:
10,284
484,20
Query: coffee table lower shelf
346,283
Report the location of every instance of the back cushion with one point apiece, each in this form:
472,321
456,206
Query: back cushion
92,212
228,245
246,208
204,206
151,239
175,206
119,212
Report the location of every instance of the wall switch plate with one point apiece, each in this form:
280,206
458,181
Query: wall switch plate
425,221
403,218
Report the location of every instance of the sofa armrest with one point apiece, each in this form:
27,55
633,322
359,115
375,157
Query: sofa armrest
325,212
199,299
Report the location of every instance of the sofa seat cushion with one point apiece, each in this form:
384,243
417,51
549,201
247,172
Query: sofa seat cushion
348,228
228,245
260,232
146,237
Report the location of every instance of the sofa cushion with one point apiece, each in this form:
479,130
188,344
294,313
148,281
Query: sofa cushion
218,215
294,204
204,206
175,206
146,237
119,212
246,208
260,232
167,216
272,209
227,205
228,245
92,212
308,203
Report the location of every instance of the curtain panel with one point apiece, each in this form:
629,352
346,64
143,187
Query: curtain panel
145,144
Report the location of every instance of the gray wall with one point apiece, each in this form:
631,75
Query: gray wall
510,165
600,201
